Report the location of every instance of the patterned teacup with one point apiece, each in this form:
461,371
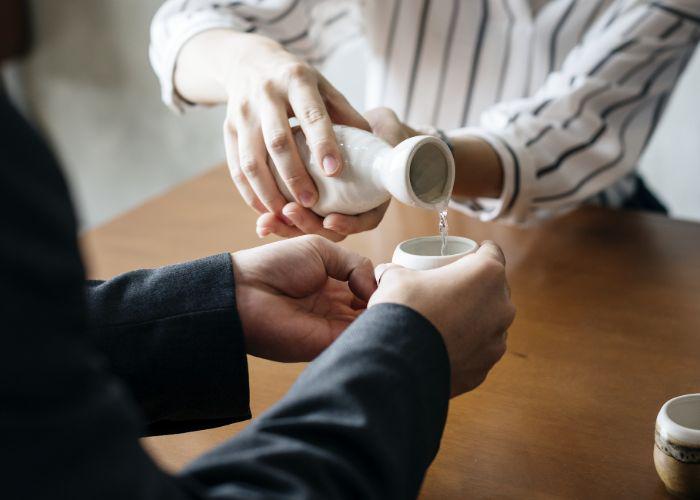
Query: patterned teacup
677,445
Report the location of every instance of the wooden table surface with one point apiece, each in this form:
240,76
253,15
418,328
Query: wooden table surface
608,328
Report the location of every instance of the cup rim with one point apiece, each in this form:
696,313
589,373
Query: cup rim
671,430
472,245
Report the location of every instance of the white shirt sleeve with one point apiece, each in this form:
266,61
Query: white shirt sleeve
312,29
586,128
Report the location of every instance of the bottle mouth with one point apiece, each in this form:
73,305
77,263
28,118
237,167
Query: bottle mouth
431,173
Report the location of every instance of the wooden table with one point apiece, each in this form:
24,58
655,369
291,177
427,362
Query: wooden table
608,328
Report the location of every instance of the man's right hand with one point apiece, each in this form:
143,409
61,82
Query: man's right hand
468,301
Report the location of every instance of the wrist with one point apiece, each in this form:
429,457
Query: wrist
242,54
478,168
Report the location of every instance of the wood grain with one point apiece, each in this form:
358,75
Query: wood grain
608,328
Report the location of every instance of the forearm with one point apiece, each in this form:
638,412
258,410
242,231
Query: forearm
478,169
208,61
364,420
181,320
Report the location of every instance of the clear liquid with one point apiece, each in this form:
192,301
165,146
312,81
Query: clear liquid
442,227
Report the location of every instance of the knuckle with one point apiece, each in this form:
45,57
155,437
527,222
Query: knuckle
243,108
295,181
366,262
268,87
238,177
249,166
386,113
385,110
297,71
313,115
229,127
315,240
278,142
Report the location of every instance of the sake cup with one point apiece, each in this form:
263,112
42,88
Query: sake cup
425,252
677,446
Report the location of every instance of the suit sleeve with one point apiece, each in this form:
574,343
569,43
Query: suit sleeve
311,29
364,420
173,336
582,133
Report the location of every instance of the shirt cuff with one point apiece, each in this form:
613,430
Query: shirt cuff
166,64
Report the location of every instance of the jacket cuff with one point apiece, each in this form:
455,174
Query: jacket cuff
400,354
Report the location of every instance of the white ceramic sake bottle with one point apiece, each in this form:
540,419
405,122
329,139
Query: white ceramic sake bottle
420,172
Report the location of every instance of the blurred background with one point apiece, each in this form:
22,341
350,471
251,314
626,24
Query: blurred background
88,85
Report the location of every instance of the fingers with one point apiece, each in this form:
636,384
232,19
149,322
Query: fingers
490,250
344,265
280,143
252,157
308,222
310,109
239,179
268,224
339,109
386,124
351,224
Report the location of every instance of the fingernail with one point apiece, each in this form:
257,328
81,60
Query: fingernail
332,227
286,220
306,198
330,164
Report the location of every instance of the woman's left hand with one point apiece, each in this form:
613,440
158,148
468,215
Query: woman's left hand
386,125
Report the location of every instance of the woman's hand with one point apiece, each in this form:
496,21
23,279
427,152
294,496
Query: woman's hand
385,124
264,85
295,297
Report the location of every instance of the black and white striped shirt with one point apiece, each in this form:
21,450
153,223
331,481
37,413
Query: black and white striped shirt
568,92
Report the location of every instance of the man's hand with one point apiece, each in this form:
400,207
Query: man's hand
468,301
295,297
384,124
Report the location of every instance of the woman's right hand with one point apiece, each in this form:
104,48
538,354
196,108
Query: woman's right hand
266,85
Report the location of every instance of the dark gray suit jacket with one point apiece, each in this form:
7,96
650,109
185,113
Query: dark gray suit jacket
85,371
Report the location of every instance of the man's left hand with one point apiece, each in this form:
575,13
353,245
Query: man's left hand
295,297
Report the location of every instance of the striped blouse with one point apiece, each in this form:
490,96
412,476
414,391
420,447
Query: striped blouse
567,92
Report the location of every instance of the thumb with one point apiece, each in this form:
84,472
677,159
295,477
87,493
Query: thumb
490,250
344,265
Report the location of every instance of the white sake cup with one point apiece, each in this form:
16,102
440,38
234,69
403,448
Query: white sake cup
424,252
677,445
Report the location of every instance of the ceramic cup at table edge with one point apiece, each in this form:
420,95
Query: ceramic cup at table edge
677,447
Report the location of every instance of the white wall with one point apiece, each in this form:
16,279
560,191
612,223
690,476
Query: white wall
671,162
93,92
